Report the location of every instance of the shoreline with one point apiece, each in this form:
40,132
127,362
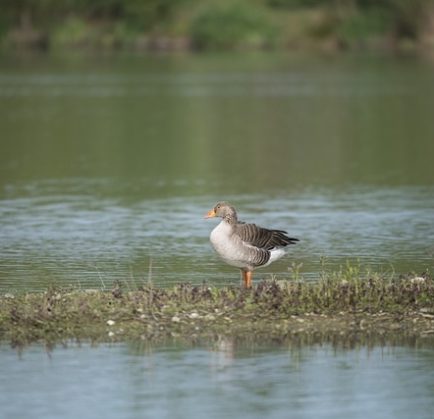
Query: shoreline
332,309
22,42
276,25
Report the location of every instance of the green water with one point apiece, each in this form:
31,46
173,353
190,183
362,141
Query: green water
108,163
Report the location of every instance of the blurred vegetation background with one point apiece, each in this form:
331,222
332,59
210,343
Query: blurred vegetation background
216,24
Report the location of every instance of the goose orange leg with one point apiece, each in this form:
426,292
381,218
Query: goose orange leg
247,279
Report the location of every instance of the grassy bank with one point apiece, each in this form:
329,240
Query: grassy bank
217,24
333,306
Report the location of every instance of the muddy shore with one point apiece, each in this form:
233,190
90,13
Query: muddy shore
331,309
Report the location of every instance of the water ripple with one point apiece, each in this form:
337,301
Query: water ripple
77,239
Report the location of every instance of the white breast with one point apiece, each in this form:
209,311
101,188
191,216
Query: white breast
229,247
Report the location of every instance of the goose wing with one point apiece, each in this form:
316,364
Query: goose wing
263,238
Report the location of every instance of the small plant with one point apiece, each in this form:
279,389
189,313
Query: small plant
294,269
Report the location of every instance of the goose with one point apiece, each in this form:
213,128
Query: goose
245,246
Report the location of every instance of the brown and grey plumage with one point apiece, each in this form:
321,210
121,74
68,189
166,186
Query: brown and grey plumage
246,246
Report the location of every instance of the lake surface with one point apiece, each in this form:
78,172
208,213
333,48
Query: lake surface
247,381
108,164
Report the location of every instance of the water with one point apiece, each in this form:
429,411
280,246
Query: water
108,164
75,240
246,381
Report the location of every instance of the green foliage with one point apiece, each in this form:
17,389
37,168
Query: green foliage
76,32
360,18
362,26
216,23
406,18
136,12
325,26
146,14
73,31
227,27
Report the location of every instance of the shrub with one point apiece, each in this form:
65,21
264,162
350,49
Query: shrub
230,27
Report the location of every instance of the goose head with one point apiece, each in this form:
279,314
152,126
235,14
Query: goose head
223,210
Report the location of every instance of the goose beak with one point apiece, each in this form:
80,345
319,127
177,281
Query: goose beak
210,214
